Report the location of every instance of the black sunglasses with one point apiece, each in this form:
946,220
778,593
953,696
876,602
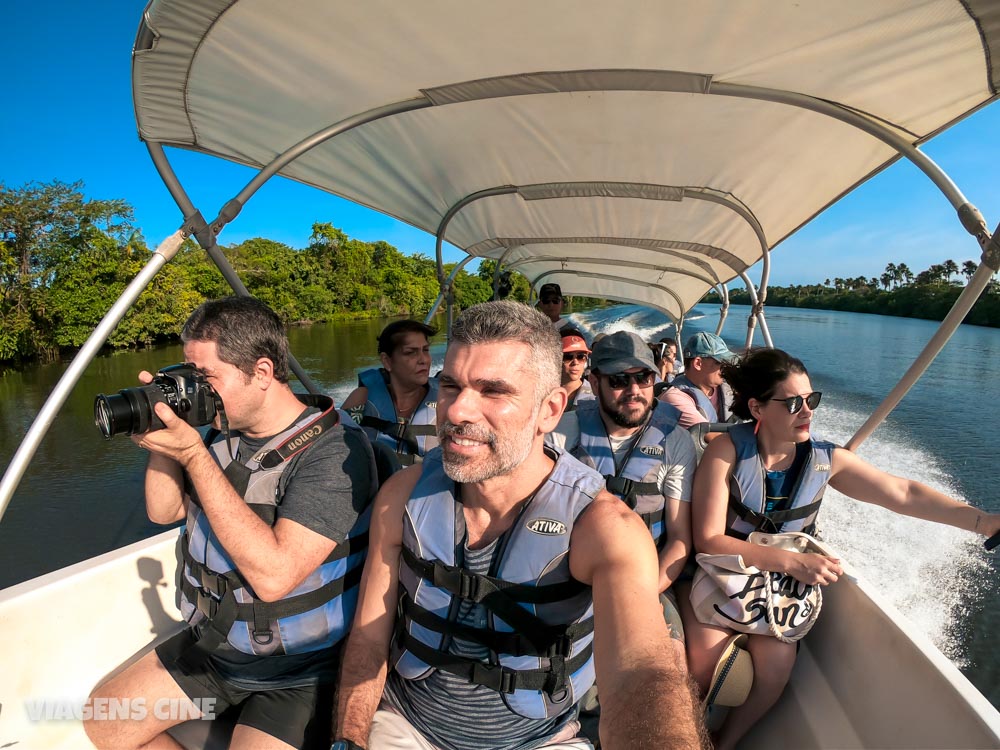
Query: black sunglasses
794,403
570,356
621,380
551,300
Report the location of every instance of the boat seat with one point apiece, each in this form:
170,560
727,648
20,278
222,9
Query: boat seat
700,430
386,462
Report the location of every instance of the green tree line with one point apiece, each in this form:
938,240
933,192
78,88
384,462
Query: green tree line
928,294
64,260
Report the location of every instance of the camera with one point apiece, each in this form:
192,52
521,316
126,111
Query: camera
181,387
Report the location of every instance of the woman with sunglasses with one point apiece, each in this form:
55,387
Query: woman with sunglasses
769,474
576,356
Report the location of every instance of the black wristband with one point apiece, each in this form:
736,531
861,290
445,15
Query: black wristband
343,744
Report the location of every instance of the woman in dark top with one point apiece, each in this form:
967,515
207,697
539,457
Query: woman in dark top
775,456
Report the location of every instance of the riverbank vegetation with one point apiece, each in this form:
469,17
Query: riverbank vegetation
64,260
928,294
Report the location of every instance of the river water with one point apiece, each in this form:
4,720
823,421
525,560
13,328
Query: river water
83,496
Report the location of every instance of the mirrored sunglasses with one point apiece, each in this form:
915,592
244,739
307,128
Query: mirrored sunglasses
794,403
577,356
621,380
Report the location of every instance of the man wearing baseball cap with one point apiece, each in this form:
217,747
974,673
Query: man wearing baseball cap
550,302
700,393
576,355
635,442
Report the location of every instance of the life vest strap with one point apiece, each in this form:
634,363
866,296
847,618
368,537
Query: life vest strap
216,600
547,641
629,490
772,522
474,587
495,676
402,431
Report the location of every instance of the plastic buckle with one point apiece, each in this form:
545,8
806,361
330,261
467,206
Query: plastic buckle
562,646
495,678
468,586
212,583
207,604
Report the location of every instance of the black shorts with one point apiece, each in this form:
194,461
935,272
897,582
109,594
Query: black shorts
298,716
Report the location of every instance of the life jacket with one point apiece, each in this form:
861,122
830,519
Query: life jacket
539,618
583,393
410,439
702,402
635,481
747,489
214,595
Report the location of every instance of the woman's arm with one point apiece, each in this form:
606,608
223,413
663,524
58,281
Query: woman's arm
862,481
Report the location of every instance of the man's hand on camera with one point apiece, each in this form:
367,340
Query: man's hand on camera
178,440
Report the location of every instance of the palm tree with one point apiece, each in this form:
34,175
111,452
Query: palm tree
969,269
949,269
904,274
891,273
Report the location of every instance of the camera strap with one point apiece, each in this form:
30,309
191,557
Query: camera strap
305,435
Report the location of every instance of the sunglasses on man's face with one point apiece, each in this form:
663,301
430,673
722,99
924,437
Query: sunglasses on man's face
794,403
551,300
574,356
621,380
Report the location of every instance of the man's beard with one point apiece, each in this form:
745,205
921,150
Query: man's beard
620,417
505,453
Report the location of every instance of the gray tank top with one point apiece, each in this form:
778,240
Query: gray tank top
456,715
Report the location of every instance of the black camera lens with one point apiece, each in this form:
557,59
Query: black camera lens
129,412
112,415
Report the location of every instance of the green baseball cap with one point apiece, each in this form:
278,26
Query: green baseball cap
708,345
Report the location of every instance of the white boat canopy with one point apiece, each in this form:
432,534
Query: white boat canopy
636,150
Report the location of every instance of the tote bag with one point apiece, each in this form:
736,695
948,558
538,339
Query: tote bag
727,593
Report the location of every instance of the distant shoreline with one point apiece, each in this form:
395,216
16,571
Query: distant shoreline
922,301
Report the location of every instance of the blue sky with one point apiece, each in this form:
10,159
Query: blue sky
68,116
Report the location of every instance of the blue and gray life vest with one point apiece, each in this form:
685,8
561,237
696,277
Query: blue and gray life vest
582,394
702,402
539,618
635,480
747,489
318,612
410,438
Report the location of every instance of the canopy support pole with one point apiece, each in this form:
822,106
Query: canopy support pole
206,234
447,293
723,309
973,290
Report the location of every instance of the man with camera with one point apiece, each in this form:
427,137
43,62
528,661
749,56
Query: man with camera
276,500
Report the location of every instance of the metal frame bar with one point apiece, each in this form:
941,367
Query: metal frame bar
29,444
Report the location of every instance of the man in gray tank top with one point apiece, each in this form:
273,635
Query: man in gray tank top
518,579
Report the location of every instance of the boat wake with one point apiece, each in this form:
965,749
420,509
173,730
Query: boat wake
924,569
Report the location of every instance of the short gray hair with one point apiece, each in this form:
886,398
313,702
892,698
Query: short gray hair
506,320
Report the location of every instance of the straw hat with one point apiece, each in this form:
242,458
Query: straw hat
733,675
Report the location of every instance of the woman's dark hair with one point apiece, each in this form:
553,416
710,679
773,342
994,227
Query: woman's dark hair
757,376
392,335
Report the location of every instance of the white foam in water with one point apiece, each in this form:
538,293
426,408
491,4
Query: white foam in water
921,567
